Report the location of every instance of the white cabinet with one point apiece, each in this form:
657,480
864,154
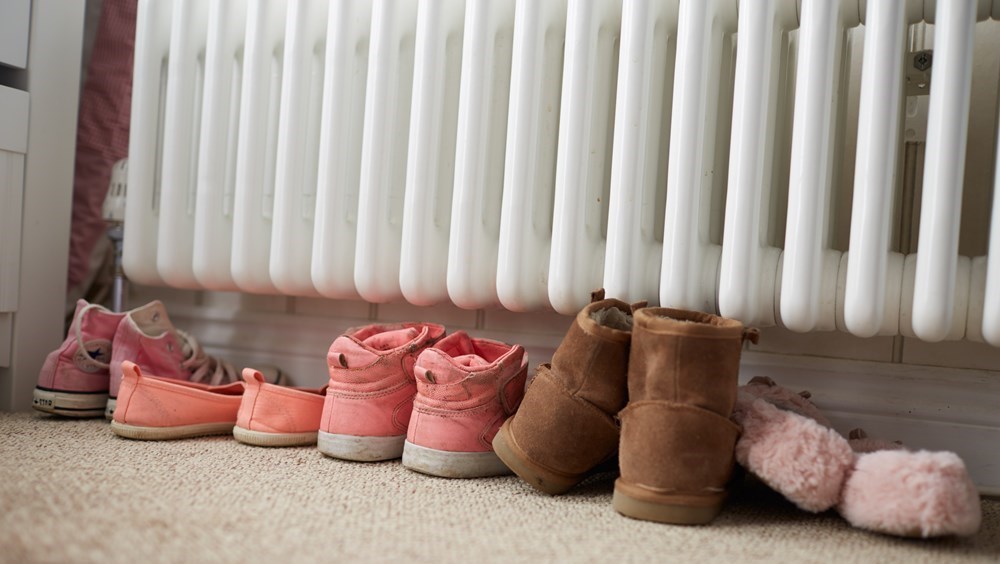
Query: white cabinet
15,16
38,114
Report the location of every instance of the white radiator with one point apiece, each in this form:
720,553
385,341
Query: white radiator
522,153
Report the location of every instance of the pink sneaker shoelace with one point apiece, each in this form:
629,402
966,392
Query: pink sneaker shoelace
205,368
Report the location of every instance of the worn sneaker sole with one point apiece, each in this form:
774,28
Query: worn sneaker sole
260,438
69,404
170,433
643,503
360,449
539,477
450,464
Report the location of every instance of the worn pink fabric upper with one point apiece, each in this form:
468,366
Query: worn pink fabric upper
371,387
72,369
147,337
466,389
278,409
150,401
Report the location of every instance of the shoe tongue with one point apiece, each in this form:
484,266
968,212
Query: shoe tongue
152,319
389,340
470,360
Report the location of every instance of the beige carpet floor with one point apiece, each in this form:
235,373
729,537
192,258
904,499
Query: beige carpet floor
71,491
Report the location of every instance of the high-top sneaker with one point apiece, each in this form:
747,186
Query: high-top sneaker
74,379
147,338
566,427
466,389
370,395
677,440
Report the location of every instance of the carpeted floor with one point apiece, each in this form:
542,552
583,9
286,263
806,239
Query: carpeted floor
71,491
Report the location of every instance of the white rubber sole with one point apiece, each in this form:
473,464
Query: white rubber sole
447,464
259,438
69,404
109,408
170,433
361,449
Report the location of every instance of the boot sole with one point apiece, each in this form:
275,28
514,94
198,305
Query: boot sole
259,438
450,464
69,404
642,503
169,433
360,449
537,476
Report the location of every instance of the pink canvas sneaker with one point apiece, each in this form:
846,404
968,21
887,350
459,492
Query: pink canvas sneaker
466,389
276,415
146,337
152,408
371,389
74,379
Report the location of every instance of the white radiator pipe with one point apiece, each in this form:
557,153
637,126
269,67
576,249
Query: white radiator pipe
186,72
810,267
689,269
641,141
991,306
749,266
298,148
878,152
256,146
583,166
152,46
213,214
341,133
944,166
529,167
384,150
479,158
430,168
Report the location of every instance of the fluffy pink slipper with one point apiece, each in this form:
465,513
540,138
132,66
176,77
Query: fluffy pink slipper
911,494
875,484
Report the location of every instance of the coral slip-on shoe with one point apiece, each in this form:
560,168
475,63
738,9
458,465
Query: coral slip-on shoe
153,408
277,416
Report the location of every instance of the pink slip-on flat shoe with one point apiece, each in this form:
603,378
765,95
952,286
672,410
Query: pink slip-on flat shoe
153,408
74,380
370,395
277,416
466,389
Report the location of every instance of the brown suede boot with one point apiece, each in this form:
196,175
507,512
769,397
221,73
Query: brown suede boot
566,425
677,441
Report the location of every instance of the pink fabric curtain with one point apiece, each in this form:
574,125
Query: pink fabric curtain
102,133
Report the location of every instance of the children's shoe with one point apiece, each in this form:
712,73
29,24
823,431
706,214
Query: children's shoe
370,395
74,379
277,416
466,389
146,337
152,408
677,439
567,427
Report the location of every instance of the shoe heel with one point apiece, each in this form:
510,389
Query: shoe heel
542,479
641,503
360,449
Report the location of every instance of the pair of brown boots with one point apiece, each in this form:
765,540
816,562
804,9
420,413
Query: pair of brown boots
652,387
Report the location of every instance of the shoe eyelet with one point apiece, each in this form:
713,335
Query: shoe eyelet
156,316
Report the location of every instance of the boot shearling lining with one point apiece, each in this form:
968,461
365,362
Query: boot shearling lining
613,317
